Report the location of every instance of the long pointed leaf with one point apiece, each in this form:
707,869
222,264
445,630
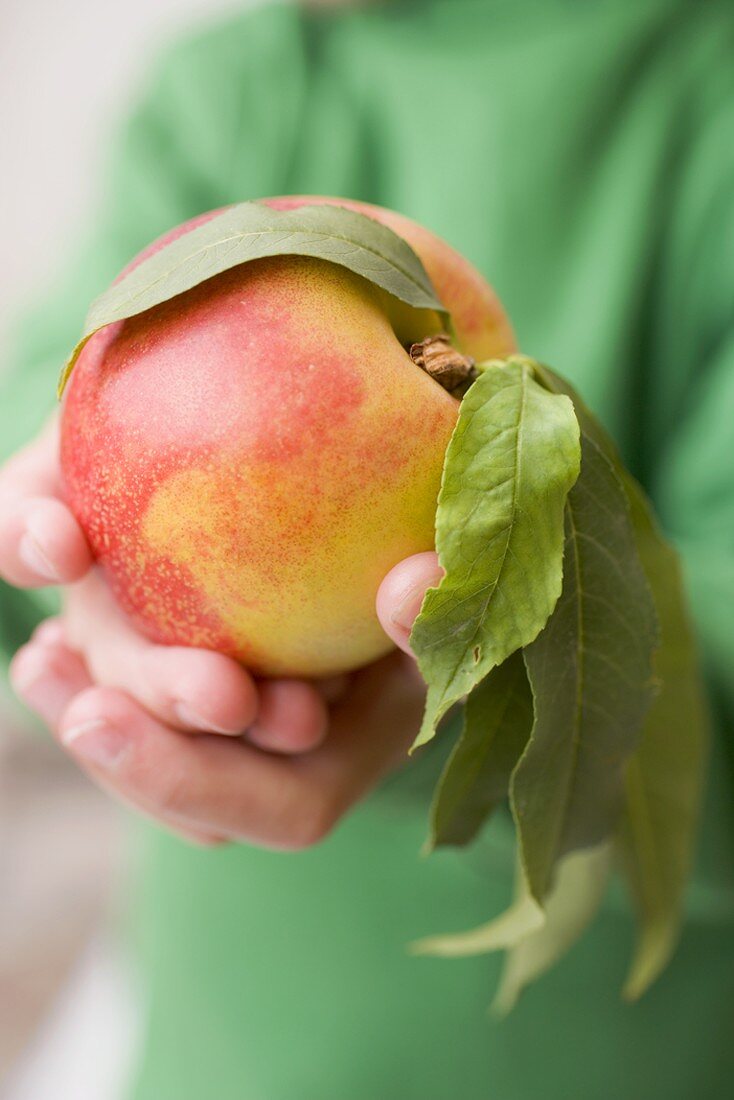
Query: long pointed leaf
591,674
511,461
577,893
665,776
522,918
664,779
498,717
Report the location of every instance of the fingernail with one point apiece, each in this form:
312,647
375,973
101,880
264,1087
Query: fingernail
96,741
405,613
190,717
34,556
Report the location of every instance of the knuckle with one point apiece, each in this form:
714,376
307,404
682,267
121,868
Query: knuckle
87,706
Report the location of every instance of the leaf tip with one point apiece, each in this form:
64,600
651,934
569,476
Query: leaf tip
64,378
426,733
68,367
650,959
505,999
428,847
420,947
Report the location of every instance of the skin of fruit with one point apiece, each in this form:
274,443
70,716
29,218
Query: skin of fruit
249,459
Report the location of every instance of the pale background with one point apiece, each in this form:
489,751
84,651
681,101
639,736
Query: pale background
66,69
68,1015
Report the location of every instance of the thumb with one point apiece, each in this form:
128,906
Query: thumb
401,593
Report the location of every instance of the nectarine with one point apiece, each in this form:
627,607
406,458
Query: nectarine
251,457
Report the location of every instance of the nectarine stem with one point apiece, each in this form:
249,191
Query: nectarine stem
438,357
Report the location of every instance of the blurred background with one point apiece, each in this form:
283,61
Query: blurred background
67,71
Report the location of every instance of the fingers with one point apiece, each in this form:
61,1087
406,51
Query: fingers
40,541
292,717
193,689
370,734
222,786
401,593
34,470
212,788
213,785
48,677
50,630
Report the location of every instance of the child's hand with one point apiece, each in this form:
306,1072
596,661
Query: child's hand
129,710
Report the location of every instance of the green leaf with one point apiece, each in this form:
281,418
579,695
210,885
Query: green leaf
522,919
591,675
535,938
664,779
252,231
588,423
578,891
498,717
665,776
511,461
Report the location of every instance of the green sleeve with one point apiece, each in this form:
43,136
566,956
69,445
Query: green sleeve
693,479
214,124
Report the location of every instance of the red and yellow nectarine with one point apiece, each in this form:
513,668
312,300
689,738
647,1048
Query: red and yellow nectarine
250,458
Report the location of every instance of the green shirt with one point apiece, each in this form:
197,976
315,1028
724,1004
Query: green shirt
580,154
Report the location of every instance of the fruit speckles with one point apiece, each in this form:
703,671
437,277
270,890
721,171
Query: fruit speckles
165,600
251,457
164,375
